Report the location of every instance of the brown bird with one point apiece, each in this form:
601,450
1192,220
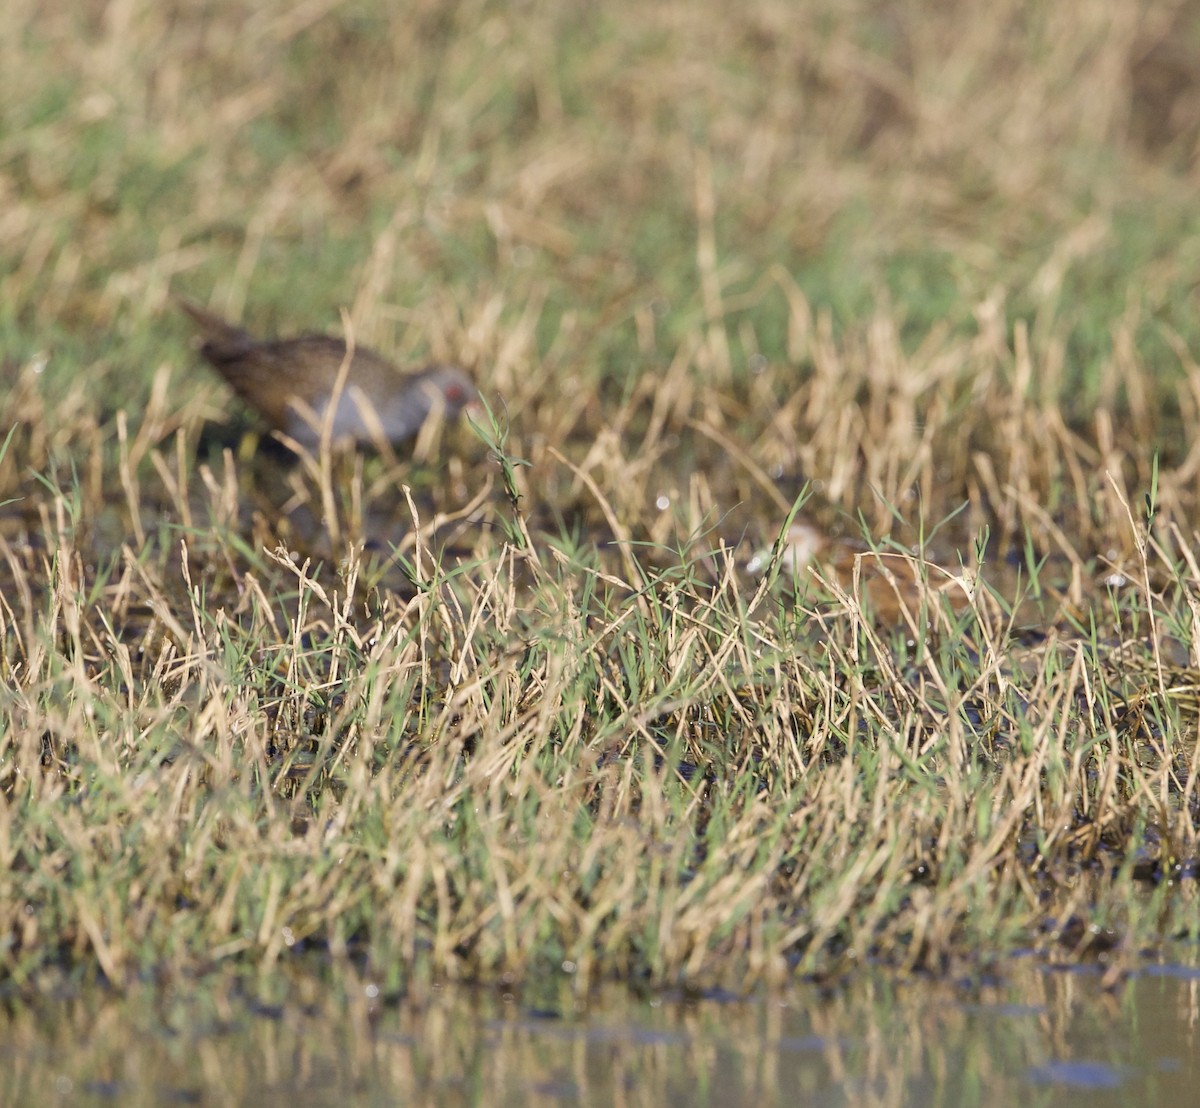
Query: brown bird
291,383
893,582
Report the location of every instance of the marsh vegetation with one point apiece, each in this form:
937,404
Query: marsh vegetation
515,705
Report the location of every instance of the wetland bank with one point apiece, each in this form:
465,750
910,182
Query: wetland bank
816,588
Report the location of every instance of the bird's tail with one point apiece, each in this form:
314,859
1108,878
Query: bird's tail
222,340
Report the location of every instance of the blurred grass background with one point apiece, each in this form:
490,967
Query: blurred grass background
431,165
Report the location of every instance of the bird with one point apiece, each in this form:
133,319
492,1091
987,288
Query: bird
291,383
894,582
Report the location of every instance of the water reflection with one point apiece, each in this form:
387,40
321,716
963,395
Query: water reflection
1042,1036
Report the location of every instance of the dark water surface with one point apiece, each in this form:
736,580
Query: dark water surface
1040,1037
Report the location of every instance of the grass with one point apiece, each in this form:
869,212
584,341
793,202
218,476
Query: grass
514,707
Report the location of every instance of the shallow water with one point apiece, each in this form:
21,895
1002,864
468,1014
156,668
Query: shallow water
1040,1037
